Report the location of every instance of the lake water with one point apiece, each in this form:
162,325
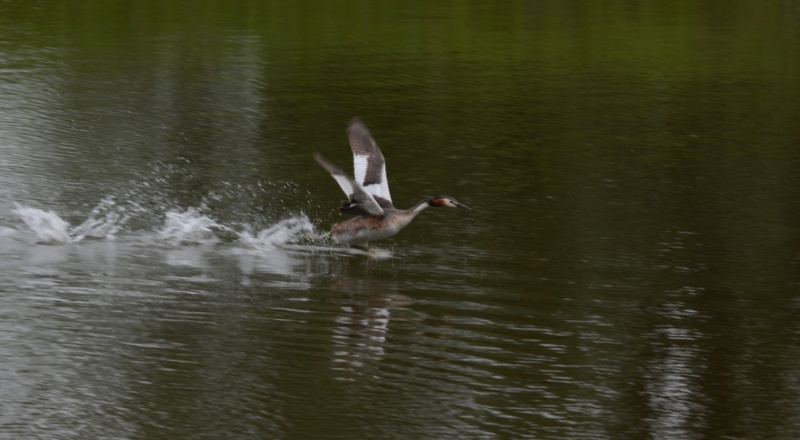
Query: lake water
630,268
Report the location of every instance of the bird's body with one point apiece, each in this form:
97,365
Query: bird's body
368,197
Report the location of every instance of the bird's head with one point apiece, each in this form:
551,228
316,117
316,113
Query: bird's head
446,202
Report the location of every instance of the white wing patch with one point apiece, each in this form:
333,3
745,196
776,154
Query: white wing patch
344,183
364,199
380,189
360,167
355,192
360,164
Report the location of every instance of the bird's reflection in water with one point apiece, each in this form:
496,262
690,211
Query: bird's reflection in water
362,323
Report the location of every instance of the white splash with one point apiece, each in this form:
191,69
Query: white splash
180,227
47,225
103,223
191,227
285,231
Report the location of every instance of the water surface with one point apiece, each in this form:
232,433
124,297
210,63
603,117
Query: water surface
629,268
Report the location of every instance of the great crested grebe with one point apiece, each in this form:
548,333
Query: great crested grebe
368,195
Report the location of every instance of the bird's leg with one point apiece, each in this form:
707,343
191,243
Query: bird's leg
311,236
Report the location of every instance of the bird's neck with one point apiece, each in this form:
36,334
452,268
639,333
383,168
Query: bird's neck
402,218
419,207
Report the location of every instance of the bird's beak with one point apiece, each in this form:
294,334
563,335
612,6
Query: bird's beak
462,206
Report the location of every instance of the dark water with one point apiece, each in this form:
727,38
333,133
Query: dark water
630,268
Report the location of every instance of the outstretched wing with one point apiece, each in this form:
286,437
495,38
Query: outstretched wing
361,201
368,163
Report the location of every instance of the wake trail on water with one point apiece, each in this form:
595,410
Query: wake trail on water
190,226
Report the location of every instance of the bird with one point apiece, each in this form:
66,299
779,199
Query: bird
368,197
